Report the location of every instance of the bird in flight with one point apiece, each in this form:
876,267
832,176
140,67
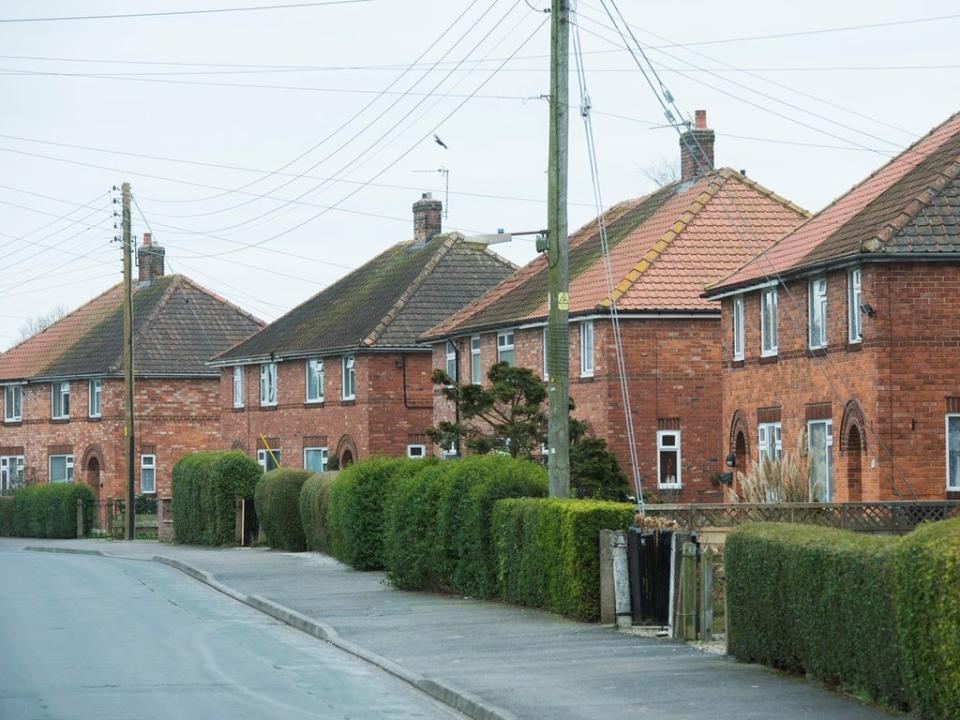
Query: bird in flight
440,142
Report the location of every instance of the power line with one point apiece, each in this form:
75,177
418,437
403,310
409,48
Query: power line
170,13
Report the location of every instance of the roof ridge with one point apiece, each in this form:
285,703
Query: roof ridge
451,239
754,185
664,241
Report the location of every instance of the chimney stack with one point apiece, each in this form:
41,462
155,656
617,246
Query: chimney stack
149,260
696,149
426,218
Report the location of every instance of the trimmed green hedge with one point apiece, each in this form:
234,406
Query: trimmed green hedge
437,532
6,516
928,614
314,502
355,517
206,486
548,551
50,511
277,501
818,601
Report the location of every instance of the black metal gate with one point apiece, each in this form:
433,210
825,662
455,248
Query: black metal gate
649,560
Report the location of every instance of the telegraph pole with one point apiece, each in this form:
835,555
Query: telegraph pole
558,357
128,429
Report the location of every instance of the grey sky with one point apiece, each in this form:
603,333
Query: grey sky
178,108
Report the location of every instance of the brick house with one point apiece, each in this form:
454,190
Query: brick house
665,248
63,388
848,327
342,375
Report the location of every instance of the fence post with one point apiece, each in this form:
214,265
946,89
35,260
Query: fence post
608,608
686,623
706,595
79,518
621,579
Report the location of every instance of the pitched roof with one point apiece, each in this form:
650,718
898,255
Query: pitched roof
665,248
178,325
386,303
910,205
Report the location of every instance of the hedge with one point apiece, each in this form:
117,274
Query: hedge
50,511
437,532
6,516
206,486
928,615
818,601
548,551
314,502
277,501
355,516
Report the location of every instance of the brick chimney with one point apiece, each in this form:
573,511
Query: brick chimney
426,218
696,148
149,260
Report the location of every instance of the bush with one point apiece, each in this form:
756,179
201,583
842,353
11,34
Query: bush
314,503
277,501
595,471
355,517
928,614
206,486
548,551
50,511
819,601
6,516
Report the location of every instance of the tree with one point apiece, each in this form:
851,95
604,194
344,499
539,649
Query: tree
40,322
661,172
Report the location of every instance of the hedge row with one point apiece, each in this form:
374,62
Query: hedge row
206,486
6,516
547,552
49,511
437,532
277,501
314,502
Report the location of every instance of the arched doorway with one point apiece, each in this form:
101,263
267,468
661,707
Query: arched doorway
346,451
740,453
346,459
854,465
93,474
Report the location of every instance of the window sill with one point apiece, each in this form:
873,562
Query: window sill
60,420
764,359
737,363
348,401
669,487
13,423
856,347
237,409
817,351
268,407
313,403
585,379
94,418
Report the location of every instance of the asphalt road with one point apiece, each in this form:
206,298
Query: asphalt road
87,637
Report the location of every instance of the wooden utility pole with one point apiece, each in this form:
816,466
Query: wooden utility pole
558,432
128,429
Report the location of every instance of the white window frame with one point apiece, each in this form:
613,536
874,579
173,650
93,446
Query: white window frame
767,433
503,346
817,313
955,487
476,370
416,451
675,448
12,400
95,398
854,293
68,468
237,386
348,374
768,299
450,360
11,472
268,384
263,456
60,399
317,371
738,331
148,462
586,348
828,489
546,355
324,457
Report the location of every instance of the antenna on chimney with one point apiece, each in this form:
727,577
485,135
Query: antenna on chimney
446,188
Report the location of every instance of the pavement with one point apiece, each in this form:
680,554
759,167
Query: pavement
490,660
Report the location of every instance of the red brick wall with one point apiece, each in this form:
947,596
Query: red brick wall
900,375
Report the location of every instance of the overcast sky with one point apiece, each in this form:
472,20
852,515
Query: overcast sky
272,127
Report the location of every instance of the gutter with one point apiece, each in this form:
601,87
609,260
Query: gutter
306,354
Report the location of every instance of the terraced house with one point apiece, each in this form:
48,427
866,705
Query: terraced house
846,331
664,249
342,376
63,387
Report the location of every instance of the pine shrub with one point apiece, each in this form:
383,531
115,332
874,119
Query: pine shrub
314,502
277,501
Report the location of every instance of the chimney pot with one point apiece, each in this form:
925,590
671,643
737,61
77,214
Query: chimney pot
700,119
696,149
426,218
147,239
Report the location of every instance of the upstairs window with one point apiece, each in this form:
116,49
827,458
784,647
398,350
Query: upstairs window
668,459
95,398
854,321
61,468
349,377
475,369
738,327
238,386
314,381
770,440
12,403
505,346
586,348
268,384
60,400
451,360
817,313
768,322
148,474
